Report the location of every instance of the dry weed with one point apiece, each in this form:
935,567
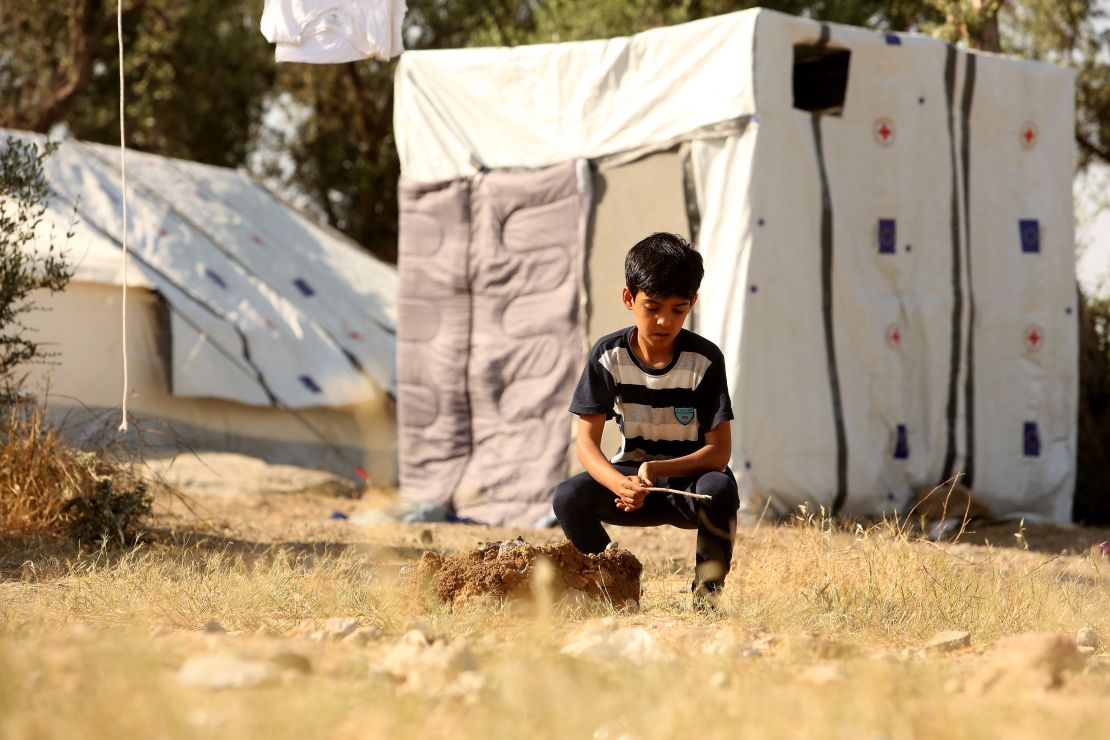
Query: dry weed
49,488
853,604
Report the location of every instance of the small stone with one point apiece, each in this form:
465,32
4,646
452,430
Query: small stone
1088,637
226,671
427,537
947,641
1029,661
719,680
612,546
336,628
822,674
441,668
415,637
509,545
423,628
362,636
602,641
213,627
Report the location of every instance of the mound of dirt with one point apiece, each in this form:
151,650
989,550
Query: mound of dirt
506,570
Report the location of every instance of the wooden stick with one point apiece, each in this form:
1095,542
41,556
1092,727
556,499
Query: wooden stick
680,493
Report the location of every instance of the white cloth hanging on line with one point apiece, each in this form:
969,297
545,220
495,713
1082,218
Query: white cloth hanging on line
334,31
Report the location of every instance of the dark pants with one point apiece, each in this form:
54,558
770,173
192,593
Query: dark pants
582,504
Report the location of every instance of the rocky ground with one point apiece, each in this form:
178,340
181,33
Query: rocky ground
276,602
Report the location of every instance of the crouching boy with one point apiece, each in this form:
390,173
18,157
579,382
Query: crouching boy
666,388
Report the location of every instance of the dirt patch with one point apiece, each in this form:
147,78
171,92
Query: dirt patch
506,570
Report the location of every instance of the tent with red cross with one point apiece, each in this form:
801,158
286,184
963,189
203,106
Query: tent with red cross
886,223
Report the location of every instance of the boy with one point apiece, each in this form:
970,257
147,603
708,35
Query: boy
666,387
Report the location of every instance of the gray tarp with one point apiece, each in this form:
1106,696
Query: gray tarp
491,338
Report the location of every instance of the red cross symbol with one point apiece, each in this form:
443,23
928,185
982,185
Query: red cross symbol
1028,135
1034,338
256,239
894,336
884,131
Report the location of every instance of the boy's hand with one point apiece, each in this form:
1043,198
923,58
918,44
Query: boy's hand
630,493
647,473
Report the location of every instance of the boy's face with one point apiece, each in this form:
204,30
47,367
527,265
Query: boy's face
658,320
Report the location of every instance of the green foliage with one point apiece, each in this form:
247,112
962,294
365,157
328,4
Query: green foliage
1092,505
201,82
197,76
23,269
197,73
110,511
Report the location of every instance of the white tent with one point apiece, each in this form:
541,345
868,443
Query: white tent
886,222
249,328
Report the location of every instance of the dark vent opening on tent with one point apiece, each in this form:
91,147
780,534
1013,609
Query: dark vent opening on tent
820,78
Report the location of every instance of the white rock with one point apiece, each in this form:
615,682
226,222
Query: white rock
1088,637
439,668
603,641
423,628
728,644
226,671
509,545
947,641
336,628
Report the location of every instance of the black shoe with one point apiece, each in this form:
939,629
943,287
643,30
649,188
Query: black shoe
706,598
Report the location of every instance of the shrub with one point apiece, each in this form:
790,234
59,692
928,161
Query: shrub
48,488
24,194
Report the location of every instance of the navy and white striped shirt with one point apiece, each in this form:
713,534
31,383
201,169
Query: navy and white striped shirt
662,413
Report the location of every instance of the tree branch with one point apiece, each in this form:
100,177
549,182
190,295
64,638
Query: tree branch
87,27
1091,149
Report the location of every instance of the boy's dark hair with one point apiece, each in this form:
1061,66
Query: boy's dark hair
663,266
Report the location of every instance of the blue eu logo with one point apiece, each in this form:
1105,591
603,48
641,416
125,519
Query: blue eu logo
888,236
684,414
1030,235
1031,439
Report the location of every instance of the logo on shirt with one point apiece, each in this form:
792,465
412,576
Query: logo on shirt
684,414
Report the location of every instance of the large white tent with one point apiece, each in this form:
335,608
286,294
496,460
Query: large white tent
249,329
886,222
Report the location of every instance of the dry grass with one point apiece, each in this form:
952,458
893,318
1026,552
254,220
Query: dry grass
50,489
78,655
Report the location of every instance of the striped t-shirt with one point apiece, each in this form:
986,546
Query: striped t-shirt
662,413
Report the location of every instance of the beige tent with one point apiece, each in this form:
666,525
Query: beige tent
250,329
